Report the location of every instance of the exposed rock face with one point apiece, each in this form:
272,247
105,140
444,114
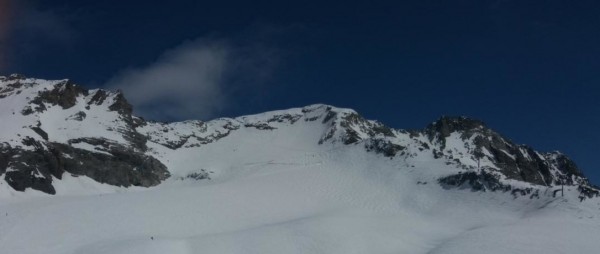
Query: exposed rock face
386,148
462,142
476,181
39,158
98,98
121,105
118,165
64,94
352,128
517,162
443,127
30,168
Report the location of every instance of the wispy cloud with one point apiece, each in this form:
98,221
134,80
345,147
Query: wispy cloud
184,81
195,80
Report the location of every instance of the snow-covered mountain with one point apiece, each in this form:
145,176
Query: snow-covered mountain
55,127
317,179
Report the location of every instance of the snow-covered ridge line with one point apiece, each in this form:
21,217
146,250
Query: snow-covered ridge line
57,126
473,143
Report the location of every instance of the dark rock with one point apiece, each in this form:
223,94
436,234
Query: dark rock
566,166
260,126
514,161
351,137
328,135
586,192
203,174
330,115
137,140
79,116
437,154
384,147
521,192
32,168
6,153
352,122
16,76
230,126
483,181
446,125
381,129
27,110
9,88
98,98
113,164
20,181
121,105
64,95
176,144
138,122
283,118
352,119
40,132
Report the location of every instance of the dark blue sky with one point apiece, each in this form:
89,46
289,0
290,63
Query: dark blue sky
527,68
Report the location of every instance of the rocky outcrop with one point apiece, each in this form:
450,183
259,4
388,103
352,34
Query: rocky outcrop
32,166
476,181
121,105
38,160
586,192
514,161
485,181
443,127
64,94
38,163
113,164
384,147
352,128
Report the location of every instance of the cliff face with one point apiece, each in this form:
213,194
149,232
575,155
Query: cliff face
518,162
55,127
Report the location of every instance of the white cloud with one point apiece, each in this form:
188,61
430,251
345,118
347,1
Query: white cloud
186,81
205,77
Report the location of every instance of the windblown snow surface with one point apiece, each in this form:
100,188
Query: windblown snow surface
279,191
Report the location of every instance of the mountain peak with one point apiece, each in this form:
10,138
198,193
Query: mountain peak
446,125
14,76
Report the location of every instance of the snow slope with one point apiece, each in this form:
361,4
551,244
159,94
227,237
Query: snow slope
327,201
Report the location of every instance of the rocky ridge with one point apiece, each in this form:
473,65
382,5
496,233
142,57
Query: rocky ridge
51,128
58,127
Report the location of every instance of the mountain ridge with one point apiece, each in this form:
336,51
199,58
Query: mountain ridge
59,127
